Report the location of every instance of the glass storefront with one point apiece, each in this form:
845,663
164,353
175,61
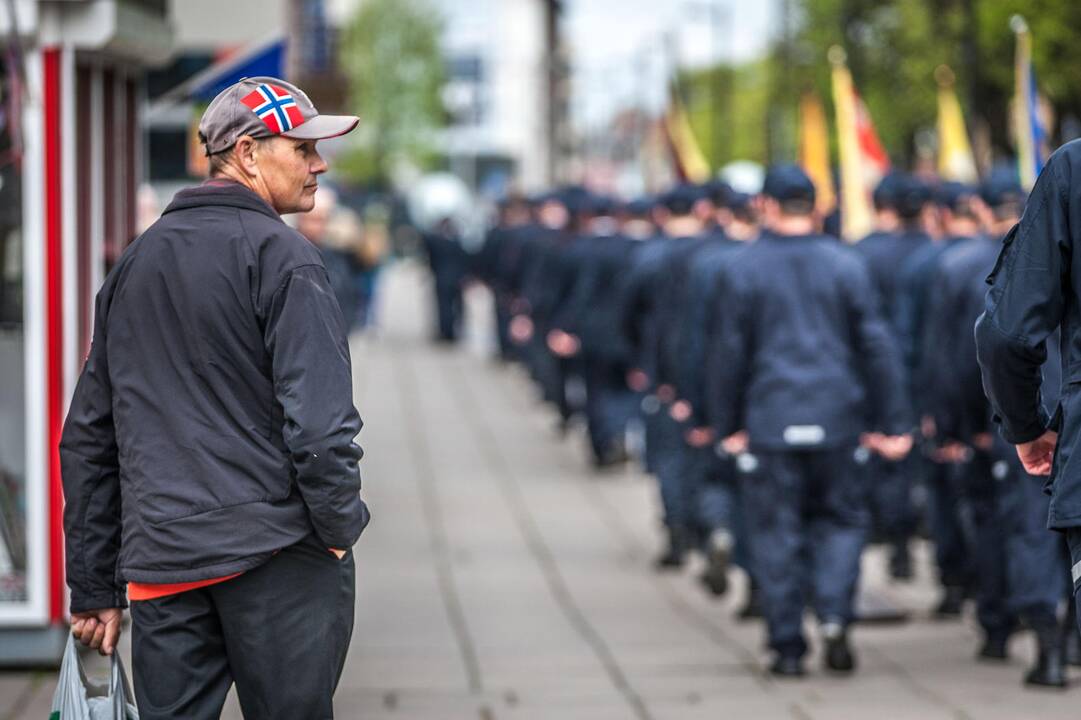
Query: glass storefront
13,556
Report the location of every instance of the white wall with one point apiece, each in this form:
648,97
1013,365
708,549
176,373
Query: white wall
26,13
214,24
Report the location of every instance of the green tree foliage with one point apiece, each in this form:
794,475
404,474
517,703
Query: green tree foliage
893,48
728,109
390,53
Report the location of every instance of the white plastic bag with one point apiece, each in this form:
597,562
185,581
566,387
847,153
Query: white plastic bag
77,698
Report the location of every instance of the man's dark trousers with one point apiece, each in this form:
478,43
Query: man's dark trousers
945,505
280,632
807,521
891,499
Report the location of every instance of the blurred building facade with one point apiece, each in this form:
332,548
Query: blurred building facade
215,42
72,79
503,89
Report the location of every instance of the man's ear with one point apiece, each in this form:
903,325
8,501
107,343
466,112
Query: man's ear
245,154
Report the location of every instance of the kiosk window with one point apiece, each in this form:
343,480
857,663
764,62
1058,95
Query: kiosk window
12,365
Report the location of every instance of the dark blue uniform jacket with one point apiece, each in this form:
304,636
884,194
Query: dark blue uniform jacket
802,347
886,255
1036,289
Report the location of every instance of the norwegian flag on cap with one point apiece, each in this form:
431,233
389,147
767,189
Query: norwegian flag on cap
275,107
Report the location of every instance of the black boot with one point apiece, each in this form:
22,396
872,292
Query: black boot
995,646
953,599
787,666
1071,640
901,562
672,557
837,656
752,610
718,553
1050,668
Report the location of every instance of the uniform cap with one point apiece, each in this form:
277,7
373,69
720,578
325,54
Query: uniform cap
913,194
639,207
786,183
885,194
681,199
1002,188
951,195
262,107
719,192
739,202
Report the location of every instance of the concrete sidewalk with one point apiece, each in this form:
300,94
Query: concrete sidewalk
501,578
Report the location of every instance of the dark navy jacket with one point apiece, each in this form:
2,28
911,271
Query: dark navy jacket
213,422
639,308
948,376
1036,289
911,316
591,310
670,287
695,330
886,254
802,348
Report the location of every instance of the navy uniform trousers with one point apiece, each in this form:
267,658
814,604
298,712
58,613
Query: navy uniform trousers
807,521
279,631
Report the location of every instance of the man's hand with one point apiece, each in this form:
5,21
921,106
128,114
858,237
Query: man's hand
666,393
637,380
952,453
680,411
890,447
521,329
895,447
699,437
928,427
98,629
1038,455
563,344
737,443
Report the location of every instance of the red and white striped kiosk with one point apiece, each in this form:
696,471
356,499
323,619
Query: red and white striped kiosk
71,160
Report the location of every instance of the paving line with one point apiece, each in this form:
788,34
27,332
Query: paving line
420,455
557,584
682,608
916,686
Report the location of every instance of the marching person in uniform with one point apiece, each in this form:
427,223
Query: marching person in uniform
800,352
1021,566
210,474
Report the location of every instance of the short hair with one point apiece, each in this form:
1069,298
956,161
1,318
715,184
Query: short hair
217,162
798,206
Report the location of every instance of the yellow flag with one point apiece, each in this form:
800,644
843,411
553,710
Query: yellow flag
955,159
857,218
814,152
691,164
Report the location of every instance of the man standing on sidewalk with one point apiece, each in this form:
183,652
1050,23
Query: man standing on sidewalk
208,458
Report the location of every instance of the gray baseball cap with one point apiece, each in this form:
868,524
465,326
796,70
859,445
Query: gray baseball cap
262,107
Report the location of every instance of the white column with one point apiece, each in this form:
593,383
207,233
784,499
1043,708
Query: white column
72,303
96,117
36,609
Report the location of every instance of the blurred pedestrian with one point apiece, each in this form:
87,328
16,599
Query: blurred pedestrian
327,232
372,251
208,457
449,263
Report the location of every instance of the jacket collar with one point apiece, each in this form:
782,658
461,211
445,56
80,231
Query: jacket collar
224,193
